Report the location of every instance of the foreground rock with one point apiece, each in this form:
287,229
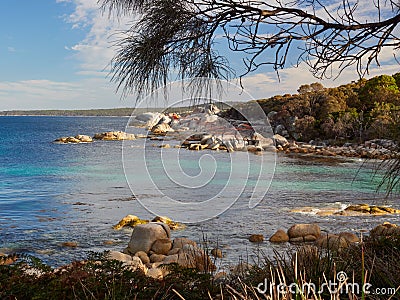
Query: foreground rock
74,140
386,230
151,247
144,236
114,136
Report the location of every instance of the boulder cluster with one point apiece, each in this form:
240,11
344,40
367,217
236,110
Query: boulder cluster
104,136
151,247
311,234
253,142
375,149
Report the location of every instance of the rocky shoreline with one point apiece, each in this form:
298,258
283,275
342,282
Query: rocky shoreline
204,129
152,247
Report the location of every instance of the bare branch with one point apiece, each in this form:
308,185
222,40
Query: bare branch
178,39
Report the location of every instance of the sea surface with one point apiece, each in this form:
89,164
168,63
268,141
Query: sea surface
54,193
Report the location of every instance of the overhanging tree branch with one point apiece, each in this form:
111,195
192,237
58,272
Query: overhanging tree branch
177,39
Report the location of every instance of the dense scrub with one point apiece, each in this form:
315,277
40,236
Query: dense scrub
373,261
358,111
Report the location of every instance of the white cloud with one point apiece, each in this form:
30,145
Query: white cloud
11,49
47,94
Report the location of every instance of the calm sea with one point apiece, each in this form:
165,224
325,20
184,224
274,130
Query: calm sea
52,193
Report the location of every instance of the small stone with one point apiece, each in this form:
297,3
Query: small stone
256,238
109,242
143,257
157,258
156,273
280,236
70,244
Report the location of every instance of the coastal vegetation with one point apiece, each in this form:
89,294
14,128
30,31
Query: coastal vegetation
358,111
370,269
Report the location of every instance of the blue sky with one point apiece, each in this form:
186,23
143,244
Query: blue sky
54,55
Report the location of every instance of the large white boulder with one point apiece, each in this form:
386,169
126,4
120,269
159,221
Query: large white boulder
144,235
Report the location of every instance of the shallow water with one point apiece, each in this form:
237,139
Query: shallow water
52,193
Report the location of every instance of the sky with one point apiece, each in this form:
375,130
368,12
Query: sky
55,54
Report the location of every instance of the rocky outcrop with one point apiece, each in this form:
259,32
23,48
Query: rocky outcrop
161,129
366,209
151,244
132,221
74,140
375,149
114,136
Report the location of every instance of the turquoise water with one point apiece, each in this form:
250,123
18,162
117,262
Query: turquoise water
52,193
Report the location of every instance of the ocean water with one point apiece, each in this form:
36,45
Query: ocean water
53,193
